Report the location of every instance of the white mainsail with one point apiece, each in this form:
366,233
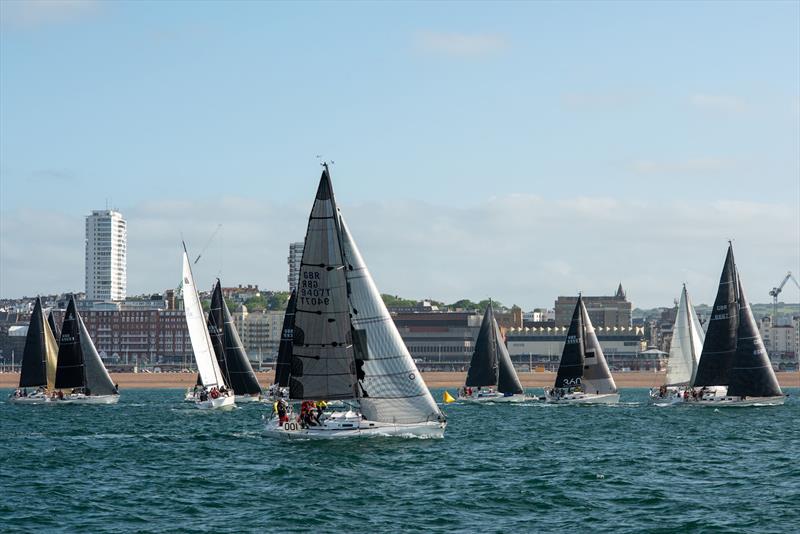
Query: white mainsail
687,344
596,375
393,390
98,381
207,366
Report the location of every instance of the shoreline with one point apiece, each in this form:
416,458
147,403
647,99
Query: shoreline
631,379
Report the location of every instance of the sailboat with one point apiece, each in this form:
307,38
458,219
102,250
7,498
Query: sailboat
215,394
231,356
734,367
684,353
38,361
491,376
79,366
583,375
346,346
280,386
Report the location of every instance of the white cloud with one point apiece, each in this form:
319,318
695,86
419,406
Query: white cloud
518,248
718,103
460,44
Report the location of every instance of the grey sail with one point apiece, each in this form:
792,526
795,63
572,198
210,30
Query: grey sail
719,345
596,375
483,367
507,379
323,365
283,364
391,387
570,368
98,382
751,373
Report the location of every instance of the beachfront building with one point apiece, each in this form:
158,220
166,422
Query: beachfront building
106,256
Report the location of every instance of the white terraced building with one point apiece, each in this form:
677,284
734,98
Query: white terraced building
106,256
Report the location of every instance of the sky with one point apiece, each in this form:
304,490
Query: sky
518,151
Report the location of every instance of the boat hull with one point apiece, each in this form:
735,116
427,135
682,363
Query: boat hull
220,403
91,399
499,399
585,398
341,425
736,401
30,399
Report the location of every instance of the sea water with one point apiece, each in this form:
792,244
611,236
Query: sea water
155,463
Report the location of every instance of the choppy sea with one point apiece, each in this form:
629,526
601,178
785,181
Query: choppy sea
153,463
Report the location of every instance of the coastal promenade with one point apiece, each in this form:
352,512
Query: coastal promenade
433,379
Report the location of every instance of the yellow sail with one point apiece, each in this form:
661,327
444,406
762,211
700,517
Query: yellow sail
51,351
448,398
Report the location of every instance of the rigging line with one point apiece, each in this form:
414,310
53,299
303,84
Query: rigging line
219,226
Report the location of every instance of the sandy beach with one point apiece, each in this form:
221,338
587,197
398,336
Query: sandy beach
434,380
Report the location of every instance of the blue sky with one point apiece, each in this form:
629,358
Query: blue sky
518,150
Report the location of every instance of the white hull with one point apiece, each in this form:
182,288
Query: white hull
736,401
672,395
350,425
244,399
585,398
220,403
495,399
91,399
30,399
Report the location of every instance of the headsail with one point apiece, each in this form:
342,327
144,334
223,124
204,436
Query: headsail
98,382
203,351
751,372
284,362
687,343
39,355
570,369
51,320
483,367
392,387
69,369
596,375
323,363
241,376
507,379
720,341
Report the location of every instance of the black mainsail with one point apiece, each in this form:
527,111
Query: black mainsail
39,355
242,377
507,379
70,367
751,373
719,346
323,362
284,361
570,369
483,365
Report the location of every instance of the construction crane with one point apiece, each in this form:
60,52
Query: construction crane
775,291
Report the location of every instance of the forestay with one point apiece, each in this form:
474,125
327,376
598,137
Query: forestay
98,382
323,365
751,372
392,387
596,375
207,366
686,345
